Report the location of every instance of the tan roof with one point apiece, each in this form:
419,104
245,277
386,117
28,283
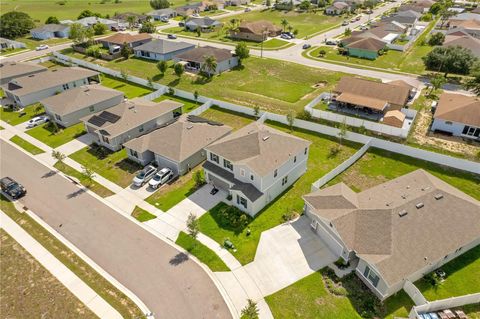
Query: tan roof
393,94
18,69
471,24
46,80
121,38
258,27
399,246
402,83
458,108
362,100
465,41
129,115
199,54
79,98
260,147
368,43
181,139
394,118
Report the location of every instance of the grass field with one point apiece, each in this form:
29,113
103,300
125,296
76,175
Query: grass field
28,289
29,147
233,119
15,117
46,134
130,89
188,105
319,163
142,215
202,252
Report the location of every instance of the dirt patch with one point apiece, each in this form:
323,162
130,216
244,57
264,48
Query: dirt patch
319,85
360,182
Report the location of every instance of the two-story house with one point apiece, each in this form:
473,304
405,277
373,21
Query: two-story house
255,164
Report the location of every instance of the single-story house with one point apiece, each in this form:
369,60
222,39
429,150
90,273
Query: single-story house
119,39
394,118
205,24
189,9
160,49
32,88
12,70
412,7
161,14
354,4
337,8
465,16
177,145
363,47
257,31
194,59
402,83
214,4
130,119
460,37
91,21
255,164
374,96
237,2
49,31
398,231
458,115
472,26
123,17
408,18
11,44
67,108
424,3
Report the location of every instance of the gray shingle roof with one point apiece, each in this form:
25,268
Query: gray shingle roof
199,54
163,46
51,28
18,69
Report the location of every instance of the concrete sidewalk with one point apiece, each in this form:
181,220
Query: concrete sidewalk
81,290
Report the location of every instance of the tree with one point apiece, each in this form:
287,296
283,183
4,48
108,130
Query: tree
290,120
52,20
251,310
159,4
209,66
452,59
268,3
15,24
256,111
304,5
88,173
147,27
124,74
199,32
59,156
192,226
179,69
162,66
88,13
445,14
126,51
77,33
131,21
474,83
99,28
347,32
343,131
436,8
195,96
322,53
242,51
198,179
284,24
437,82
38,108
436,39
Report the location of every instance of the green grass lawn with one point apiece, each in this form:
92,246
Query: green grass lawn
319,163
15,117
32,43
95,187
378,166
46,134
9,52
130,89
188,105
114,166
310,298
231,118
172,194
142,215
29,147
463,277
202,252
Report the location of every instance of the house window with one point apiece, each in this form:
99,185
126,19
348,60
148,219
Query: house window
471,131
241,201
58,117
134,153
105,139
214,158
252,177
141,129
65,86
227,164
294,159
448,123
91,108
275,173
371,276
285,180
305,152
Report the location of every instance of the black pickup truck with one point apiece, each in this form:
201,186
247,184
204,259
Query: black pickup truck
12,188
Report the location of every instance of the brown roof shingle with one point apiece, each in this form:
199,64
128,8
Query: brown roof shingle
121,38
458,108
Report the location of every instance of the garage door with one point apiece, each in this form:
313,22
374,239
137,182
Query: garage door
218,182
331,243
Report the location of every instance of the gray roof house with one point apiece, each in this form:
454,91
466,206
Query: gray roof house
255,165
69,107
163,50
32,88
177,145
337,8
195,59
162,14
12,70
130,119
90,21
11,44
49,31
397,231
206,24
408,17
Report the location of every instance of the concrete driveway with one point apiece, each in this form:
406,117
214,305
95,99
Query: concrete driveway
170,284
286,254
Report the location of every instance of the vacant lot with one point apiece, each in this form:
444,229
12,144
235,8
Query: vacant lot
188,105
29,290
233,119
130,89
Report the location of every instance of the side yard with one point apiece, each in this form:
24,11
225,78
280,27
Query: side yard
55,137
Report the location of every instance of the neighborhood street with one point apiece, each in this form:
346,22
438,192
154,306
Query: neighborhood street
171,285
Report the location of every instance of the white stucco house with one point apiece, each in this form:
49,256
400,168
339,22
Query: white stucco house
49,31
255,165
194,59
161,50
397,231
458,115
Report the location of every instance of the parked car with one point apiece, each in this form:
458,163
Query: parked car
344,23
42,47
37,121
248,9
357,18
12,188
285,36
306,46
331,42
119,28
172,36
181,24
363,27
164,19
196,15
144,176
353,20
163,176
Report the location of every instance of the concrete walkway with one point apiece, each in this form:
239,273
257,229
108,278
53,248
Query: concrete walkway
80,289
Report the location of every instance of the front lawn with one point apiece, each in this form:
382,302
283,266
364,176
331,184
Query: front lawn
231,118
130,89
17,117
462,278
188,105
29,147
319,163
142,215
114,166
323,296
202,252
49,135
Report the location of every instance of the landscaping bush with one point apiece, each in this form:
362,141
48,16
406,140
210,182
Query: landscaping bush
342,264
334,151
232,217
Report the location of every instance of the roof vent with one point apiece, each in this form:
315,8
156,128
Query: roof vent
31,76
425,188
419,205
438,196
189,127
266,138
402,213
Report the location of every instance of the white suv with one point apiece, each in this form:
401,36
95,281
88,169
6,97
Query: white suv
163,176
144,176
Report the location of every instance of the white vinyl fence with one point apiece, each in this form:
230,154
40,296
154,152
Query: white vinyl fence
202,108
415,294
442,304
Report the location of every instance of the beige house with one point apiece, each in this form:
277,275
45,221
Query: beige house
12,70
177,145
397,231
257,31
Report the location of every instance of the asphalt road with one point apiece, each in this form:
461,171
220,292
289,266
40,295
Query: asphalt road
156,272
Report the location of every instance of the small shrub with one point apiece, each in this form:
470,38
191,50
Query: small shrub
334,151
233,217
304,115
341,264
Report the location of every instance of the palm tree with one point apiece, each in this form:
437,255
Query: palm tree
131,21
284,24
210,65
